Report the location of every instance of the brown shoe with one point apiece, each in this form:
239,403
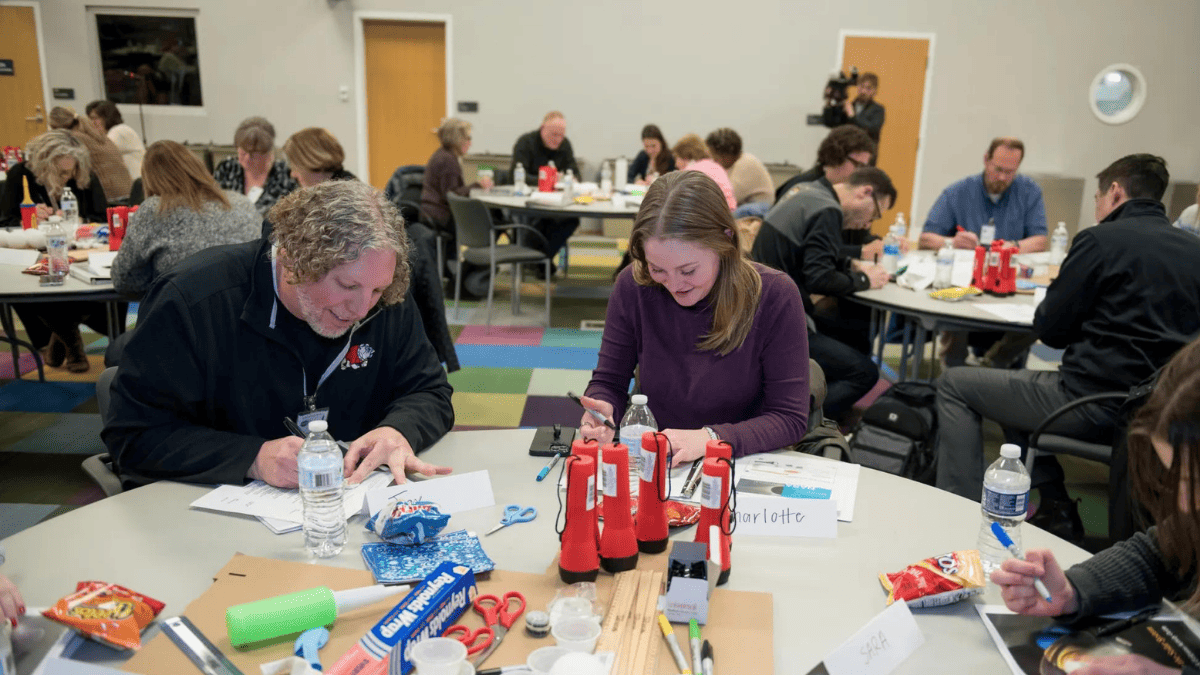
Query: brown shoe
77,360
54,353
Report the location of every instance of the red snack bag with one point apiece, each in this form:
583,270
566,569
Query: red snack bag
107,613
935,581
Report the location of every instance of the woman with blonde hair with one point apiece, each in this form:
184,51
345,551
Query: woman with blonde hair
719,342
315,156
1161,562
255,172
184,212
54,161
691,154
106,159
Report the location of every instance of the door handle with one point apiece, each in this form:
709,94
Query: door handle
37,115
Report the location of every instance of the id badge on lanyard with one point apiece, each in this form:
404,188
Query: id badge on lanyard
311,413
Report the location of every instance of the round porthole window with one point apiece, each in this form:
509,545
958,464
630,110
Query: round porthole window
1117,93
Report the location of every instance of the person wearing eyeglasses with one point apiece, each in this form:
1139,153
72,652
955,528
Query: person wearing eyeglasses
802,236
1012,200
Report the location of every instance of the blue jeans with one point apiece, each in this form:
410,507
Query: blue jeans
756,210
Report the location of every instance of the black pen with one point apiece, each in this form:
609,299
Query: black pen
1121,624
593,413
297,431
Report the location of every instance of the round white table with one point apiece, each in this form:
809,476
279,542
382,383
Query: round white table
504,199
17,287
824,589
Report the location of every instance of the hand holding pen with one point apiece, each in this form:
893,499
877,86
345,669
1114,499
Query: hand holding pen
597,419
1016,581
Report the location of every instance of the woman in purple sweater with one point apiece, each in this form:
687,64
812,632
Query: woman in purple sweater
720,343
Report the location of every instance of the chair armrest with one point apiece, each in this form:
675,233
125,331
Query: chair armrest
1077,403
517,226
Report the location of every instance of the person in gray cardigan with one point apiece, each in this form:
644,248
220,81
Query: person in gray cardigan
1162,562
185,212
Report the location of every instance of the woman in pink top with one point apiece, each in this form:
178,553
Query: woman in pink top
691,154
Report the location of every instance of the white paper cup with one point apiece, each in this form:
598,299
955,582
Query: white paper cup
541,660
576,634
438,656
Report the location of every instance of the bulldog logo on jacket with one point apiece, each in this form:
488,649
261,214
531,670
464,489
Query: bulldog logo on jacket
358,357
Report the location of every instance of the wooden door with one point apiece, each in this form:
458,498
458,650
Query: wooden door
405,64
22,116
900,64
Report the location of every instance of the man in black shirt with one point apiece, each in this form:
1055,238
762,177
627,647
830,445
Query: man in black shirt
802,236
548,143
1125,300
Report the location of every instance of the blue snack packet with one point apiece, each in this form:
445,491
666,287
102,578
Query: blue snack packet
408,521
390,563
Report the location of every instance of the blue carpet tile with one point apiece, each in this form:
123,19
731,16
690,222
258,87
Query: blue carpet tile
27,396
507,356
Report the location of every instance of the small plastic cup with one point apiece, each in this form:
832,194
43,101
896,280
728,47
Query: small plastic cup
541,660
438,656
576,634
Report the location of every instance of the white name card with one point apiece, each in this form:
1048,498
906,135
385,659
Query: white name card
883,644
783,517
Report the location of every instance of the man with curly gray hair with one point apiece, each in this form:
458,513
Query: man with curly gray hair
311,324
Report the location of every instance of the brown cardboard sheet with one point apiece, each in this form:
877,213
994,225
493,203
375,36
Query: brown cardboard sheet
740,623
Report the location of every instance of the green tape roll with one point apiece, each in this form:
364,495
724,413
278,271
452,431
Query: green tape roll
280,615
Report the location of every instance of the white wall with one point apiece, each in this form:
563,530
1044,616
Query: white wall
1016,68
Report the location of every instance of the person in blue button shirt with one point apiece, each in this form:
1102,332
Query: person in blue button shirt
999,193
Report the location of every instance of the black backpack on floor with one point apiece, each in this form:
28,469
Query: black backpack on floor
898,433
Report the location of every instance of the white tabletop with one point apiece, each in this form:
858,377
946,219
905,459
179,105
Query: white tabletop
824,589
936,314
16,286
596,209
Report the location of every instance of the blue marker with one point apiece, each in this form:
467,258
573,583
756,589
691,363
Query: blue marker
550,465
1017,553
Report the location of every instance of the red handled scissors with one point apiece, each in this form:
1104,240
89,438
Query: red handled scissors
499,613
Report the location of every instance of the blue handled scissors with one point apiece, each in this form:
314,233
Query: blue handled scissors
514,513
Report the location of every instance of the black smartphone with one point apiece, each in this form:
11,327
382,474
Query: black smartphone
545,444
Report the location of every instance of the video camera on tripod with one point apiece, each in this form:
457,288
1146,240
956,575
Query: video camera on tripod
834,113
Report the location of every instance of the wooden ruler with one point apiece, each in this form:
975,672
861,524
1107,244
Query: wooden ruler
630,626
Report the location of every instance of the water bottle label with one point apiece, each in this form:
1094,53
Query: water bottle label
710,492
311,480
648,465
891,249
1005,505
591,494
608,480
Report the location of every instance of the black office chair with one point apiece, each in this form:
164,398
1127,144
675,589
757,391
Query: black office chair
1123,519
100,467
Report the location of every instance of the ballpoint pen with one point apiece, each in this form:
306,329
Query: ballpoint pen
693,479
1121,624
599,418
1017,553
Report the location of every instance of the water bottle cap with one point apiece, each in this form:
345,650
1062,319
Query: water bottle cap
317,426
1010,451
639,399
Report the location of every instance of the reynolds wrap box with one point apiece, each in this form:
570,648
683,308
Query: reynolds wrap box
428,610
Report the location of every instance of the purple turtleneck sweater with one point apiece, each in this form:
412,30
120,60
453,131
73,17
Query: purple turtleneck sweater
756,397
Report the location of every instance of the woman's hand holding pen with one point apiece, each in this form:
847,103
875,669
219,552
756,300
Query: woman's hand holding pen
589,427
1015,579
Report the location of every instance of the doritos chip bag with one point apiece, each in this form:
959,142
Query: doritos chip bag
106,613
940,580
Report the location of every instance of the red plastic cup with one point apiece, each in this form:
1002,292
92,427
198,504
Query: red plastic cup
28,216
116,226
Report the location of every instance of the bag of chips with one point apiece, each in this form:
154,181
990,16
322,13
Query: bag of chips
408,521
107,613
940,580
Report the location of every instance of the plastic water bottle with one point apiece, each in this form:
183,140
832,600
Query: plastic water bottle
56,251
519,180
891,251
606,179
943,277
901,226
70,209
637,421
321,482
987,233
621,173
1058,244
1005,500
569,186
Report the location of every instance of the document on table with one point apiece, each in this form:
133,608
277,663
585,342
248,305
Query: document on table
454,493
1009,312
964,268
277,507
789,476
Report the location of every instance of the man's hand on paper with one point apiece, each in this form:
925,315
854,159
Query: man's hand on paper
385,445
276,462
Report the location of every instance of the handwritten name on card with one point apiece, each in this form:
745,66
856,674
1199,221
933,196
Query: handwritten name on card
775,516
881,645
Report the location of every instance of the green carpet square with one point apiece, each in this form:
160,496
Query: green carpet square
491,380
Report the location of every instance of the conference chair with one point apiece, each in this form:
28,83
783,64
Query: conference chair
476,243
100,467
1122,512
